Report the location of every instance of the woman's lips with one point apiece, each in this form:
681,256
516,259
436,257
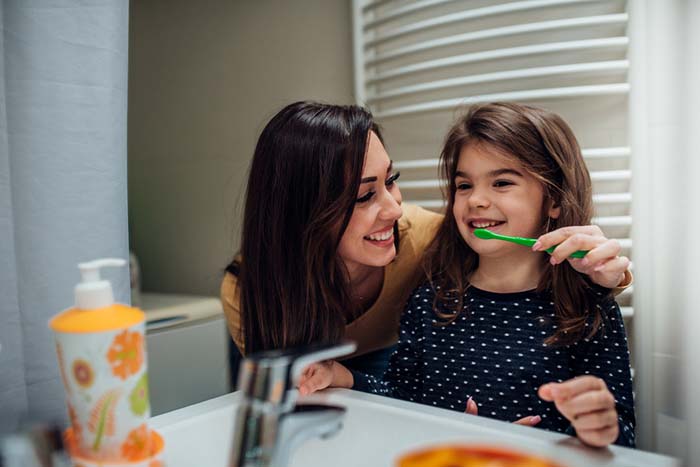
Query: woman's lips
382,238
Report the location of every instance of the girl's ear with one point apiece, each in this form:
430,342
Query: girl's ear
554,210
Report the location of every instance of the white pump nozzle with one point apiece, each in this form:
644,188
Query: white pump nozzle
92,292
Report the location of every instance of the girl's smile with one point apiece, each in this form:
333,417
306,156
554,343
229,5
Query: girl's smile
482,223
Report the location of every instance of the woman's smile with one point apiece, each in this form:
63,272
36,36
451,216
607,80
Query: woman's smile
383,238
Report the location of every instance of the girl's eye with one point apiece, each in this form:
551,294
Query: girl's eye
463,186
502,183
391,180
365,198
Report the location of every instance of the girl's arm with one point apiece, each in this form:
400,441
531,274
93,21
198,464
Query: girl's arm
599,403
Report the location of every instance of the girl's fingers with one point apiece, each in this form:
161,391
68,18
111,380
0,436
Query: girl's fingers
529,421
615,267
590,401
599,438
310,386
571,388
604,251
315,380
574,243
472,408
556,237
595,420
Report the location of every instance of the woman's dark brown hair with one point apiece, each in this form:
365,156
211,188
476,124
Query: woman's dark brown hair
302,188
546,147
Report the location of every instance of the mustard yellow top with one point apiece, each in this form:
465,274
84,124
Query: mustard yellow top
378,327
109,318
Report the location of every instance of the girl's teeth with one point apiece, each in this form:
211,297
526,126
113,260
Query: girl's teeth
483,225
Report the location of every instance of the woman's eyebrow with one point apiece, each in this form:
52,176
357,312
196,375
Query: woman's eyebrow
374,179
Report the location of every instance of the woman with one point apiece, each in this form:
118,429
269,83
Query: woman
328,250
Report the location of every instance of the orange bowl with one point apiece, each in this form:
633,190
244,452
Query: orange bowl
472,456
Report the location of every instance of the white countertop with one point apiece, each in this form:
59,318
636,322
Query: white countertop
376,431
177,310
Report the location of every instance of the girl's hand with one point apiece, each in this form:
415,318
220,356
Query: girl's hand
322,375
473,409
589,405
602,263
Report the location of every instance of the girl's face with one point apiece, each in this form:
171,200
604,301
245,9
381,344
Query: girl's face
495,192
369,237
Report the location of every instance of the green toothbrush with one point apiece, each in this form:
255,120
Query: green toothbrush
488,235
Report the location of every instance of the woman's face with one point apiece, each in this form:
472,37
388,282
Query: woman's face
369,237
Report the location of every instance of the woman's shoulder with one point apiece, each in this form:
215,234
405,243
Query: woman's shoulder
231,304
228,283
418,225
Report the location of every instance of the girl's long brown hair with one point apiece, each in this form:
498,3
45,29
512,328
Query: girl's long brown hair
545,146
302,188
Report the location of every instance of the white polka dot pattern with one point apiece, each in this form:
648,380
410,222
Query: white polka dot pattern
496,354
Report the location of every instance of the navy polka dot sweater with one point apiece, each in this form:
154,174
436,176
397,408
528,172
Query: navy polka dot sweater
496,354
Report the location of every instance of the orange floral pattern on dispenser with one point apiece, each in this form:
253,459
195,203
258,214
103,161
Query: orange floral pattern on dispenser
77,427
137,446
102,417
125,355
83,373
62,368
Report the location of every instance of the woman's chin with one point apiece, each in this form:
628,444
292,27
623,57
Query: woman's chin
382,258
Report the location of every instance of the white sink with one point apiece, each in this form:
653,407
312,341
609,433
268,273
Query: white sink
376,431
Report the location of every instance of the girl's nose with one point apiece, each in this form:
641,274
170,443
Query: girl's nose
478,199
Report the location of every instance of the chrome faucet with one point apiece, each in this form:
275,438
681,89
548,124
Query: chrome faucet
269,423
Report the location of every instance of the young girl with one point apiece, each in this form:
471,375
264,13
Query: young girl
516,332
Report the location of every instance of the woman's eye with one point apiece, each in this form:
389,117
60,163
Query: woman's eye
502,183
391,180
365,198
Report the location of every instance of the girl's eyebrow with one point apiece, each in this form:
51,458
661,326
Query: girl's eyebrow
493,173
374,179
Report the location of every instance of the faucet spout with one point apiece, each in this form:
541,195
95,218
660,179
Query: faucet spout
307,421
269,423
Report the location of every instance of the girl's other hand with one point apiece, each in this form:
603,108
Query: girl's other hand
602,263
473,409
322,375
589,405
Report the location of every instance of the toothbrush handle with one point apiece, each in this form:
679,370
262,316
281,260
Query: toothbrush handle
575,254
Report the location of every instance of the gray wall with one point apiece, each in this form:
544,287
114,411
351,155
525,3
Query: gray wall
204,78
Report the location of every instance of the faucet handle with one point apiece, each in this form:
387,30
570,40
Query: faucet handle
318,354
272,376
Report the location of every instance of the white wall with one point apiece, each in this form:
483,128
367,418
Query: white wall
204,78
665,114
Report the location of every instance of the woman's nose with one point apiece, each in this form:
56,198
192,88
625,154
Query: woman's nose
391,205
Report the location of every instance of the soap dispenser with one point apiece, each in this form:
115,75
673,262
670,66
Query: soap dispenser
101,350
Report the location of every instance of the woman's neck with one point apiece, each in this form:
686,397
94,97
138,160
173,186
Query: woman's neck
508,274
365,285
